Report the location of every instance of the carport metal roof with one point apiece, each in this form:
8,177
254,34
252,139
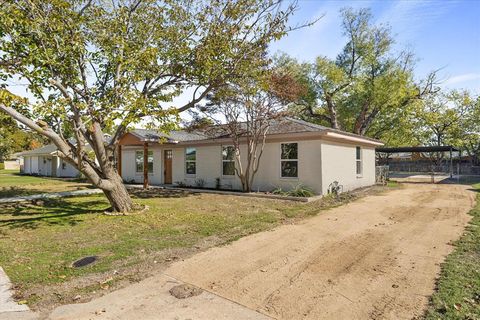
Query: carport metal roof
417,149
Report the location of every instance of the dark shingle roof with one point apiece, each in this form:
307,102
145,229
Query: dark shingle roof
172,136
48,149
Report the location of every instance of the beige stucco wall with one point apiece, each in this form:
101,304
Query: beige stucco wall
209,166
320,163
339,164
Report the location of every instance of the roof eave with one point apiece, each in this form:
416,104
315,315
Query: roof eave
350,138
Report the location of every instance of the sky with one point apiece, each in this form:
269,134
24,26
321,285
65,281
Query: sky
444,35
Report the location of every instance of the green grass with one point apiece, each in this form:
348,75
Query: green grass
12,184
458,289
392,184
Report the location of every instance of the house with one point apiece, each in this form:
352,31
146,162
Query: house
44,161
296,152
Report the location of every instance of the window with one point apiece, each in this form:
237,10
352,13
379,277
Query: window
228,160
64,165
289,160
359,161
139,161
191,161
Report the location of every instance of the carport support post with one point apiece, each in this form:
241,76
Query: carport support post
145,165
451,163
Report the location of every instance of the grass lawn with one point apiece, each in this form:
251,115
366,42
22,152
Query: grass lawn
13,184
458,289
39,244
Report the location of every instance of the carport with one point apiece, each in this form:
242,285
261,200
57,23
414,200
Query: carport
383,155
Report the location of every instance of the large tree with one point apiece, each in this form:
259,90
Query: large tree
368,89
96,67
449,118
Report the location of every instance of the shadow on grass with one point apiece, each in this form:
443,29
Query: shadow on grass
11,192
53,212
160,193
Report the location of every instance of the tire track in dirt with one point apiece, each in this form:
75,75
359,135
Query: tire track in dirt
374,258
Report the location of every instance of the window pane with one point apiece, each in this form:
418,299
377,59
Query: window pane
190,167
290,169
228,168
289,150
228,153
139,161
359,167
150,161
359,153
191,154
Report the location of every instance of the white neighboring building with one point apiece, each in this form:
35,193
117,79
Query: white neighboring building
44,161
296,152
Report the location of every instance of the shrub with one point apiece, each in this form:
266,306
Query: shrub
200,183
181,184
218,183
2,166
301,191
298,191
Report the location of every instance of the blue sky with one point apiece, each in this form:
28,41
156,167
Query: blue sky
443,34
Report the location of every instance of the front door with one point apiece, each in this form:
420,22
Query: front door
167,166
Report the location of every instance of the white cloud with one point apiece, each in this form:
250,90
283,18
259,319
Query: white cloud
462,78
408,17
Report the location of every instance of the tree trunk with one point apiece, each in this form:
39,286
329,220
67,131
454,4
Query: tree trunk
118,197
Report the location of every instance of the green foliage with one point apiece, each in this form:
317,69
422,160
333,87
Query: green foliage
458,289
369,89
298,190
14,138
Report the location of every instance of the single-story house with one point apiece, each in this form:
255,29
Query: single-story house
44,161
296,152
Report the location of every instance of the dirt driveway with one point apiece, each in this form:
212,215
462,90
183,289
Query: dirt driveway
376,258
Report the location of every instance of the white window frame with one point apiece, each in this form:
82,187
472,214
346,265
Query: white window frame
223,161
284,160
359,161
193,161
150,152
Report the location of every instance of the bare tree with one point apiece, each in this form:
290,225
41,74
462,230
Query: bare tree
249,113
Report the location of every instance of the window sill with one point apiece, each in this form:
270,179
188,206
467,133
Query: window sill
228,176
288,178
359,176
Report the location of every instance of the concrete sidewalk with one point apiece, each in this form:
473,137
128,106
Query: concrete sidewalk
9,309
52,195
150,299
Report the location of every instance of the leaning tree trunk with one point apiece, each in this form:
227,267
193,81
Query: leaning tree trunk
118,197
115,191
